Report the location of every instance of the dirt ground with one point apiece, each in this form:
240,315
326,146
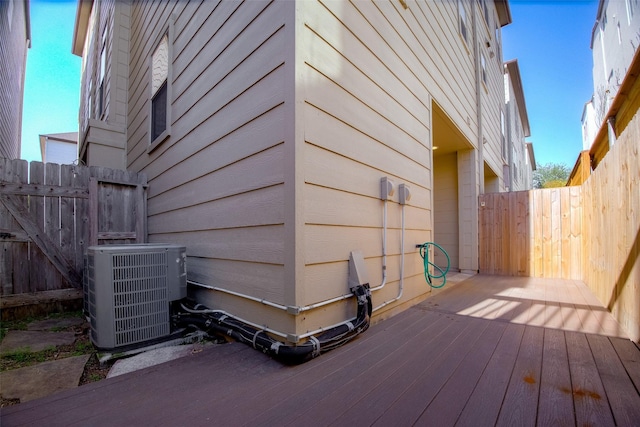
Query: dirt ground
93,370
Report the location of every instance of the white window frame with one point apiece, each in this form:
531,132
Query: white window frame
102,77
463,25
483,66
164,135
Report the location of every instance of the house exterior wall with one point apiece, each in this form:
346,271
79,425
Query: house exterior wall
103,90
445,198
283,118
386,63
516,129
217,183
614,41
60,148
14,42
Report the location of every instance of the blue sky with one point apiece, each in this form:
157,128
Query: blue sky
550,40
52,82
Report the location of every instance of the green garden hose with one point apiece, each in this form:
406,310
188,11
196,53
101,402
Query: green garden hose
424,253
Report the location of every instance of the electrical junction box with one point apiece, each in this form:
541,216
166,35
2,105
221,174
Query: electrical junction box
128,291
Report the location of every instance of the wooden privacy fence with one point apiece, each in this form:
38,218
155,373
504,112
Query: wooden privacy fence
50,214
534,233
589,232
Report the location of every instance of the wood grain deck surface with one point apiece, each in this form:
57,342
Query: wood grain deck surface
489,351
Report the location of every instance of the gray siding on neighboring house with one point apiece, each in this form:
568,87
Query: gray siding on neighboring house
14,43
217,183
103,99
614,41
517,128
61,148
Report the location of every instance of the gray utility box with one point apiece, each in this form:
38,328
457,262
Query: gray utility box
128,290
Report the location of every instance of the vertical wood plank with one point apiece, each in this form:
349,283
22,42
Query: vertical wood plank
556,234
547,243
523,231
505,238
513,234
21,253
575,233
93,211
82,223
67,217
38,276
565,232
52,220
538,242
6,246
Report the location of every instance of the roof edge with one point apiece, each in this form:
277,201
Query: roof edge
80,27
504,12
27,22
514,74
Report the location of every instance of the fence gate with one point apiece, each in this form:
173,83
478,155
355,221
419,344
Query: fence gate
50,214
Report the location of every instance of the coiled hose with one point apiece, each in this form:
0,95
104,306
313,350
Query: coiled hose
424,253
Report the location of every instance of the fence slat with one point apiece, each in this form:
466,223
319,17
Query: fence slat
45,220
532,233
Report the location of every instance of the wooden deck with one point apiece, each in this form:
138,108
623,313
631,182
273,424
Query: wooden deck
489,351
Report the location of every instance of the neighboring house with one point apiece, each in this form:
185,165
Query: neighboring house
518,152
61,148
614,40
15,40
265,128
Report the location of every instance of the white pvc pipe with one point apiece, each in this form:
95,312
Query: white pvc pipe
296,309
401,268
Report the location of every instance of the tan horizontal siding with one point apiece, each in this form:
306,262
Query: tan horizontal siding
216,184
262,280
260,207
262,245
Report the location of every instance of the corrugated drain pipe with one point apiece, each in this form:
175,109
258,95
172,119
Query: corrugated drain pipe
242,331
330,337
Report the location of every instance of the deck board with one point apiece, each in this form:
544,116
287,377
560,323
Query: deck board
588,392
490,350
521,401
629,357
483,406
447,405
555,406
621,394
425,385
380,368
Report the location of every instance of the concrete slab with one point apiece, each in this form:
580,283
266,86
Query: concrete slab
42,379
34,340
49,324
152,357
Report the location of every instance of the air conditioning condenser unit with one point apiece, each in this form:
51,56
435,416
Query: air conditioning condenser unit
129,290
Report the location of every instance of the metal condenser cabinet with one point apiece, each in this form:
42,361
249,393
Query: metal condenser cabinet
128,291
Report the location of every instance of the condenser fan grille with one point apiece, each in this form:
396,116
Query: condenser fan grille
129,289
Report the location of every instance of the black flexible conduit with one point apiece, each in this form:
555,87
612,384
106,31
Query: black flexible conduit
221,323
